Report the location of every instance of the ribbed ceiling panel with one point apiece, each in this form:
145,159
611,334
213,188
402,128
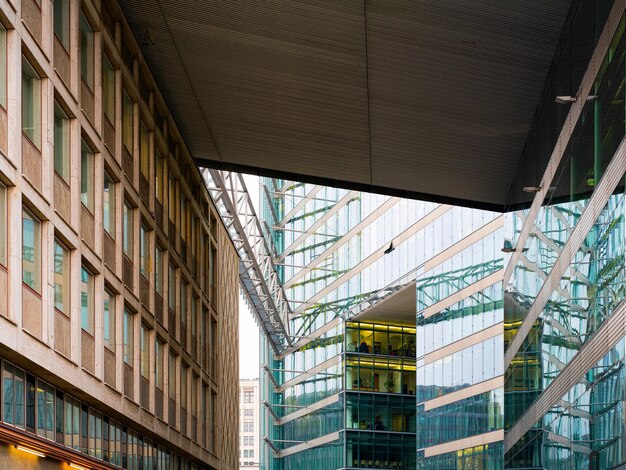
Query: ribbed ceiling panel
429,97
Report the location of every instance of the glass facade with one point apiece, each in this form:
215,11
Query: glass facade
33,406
346,397
584,428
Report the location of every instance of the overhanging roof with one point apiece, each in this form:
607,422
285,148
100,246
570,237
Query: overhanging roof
419,98
397,308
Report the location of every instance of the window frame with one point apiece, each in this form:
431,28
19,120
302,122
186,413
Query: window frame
109,299
62,160
128,125
144,250
86,53
109,204
37,248
33,131
65,308
144,351
108,89
87,176
3,67
64,16
87,311
144,151
3,225
128,337
128,238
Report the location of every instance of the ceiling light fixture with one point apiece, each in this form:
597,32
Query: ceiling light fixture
562,99
28,450
531,189
78,467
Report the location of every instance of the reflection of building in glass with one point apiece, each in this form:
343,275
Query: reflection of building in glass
345,395
460,397
564,308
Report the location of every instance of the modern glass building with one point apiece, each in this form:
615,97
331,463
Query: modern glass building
345,395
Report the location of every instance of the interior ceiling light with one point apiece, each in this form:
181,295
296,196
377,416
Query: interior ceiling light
28,450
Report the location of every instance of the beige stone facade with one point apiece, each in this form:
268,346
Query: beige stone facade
118,281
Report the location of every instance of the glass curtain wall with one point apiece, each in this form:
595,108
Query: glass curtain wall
585,429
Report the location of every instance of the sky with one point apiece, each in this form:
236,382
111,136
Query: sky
248,329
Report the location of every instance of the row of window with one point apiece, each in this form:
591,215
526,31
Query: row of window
36,407
380,339
179,210
31,277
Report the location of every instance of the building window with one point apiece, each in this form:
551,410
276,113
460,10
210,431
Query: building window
108,320
128,230
145,352
31,251
183,301
144,153
127,123
61,143
3,67
171,203
144,246
31,103
86,51
212,259
172,377
248,397
61,278
128,338
3,225
248,412
184,372
108,89
87,315
171,285
248,453
183,218
62,22
86,176
158,176
194,316
158,363
108,205
248,426
158,270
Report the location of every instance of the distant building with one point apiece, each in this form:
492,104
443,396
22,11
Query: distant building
249,423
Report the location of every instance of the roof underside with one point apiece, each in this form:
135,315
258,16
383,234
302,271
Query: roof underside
420,98
398,308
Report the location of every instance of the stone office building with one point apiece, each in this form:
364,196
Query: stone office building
118,281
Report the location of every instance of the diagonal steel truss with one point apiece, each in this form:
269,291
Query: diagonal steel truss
257,271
